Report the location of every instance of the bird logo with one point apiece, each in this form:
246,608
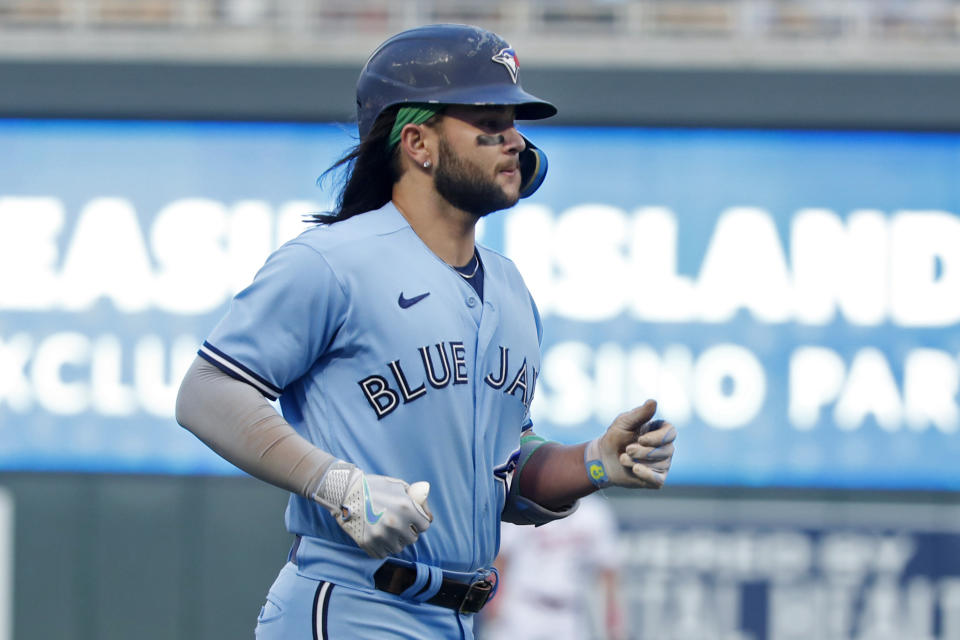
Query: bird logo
508,58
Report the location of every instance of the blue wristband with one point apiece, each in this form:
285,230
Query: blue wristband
594,465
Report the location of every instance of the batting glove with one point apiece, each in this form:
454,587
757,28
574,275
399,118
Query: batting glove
376,511
635,451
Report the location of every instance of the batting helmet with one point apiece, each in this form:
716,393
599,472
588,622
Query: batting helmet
451,64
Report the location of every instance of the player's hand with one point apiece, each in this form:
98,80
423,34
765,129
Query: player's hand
376,511
636,451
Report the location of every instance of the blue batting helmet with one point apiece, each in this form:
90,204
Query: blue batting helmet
450,64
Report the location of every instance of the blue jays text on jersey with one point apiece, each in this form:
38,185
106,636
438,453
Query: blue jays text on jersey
384,356
443,364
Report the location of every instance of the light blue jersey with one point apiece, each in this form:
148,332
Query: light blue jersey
384,356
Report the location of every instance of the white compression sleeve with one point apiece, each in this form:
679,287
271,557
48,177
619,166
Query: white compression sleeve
237,422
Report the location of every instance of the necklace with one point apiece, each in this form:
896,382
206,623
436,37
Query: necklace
476,267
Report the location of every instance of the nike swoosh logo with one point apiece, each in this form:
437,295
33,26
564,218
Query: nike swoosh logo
372,518
409,302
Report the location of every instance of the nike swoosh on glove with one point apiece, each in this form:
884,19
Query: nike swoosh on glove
375,511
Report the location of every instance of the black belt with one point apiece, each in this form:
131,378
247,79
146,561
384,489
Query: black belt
460,596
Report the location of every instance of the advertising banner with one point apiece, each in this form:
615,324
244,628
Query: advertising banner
789,570
789,297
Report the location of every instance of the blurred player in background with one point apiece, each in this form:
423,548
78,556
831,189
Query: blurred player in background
559,582
405,358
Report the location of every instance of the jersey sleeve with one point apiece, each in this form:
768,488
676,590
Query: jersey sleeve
282,323
536,319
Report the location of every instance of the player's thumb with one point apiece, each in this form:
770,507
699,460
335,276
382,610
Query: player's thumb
418,492
628,425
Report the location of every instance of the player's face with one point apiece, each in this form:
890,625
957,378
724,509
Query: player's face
478,169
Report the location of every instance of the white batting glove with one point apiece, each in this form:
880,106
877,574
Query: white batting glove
635,451
376,511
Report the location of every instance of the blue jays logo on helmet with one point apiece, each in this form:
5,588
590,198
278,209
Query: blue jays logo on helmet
508,58
443,64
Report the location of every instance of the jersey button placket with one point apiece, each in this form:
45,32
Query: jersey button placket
471,302
484,428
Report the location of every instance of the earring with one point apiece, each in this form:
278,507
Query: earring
426,164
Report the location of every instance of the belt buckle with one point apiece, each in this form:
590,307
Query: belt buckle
477,595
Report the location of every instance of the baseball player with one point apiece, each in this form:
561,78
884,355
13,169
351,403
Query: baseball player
405,359
559,582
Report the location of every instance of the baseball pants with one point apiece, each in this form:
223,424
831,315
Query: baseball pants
301,608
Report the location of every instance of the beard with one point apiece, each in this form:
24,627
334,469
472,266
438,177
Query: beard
464,185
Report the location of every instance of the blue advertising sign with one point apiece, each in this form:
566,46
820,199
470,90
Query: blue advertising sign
789,570
789,297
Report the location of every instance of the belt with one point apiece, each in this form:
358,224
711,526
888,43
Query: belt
465,597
